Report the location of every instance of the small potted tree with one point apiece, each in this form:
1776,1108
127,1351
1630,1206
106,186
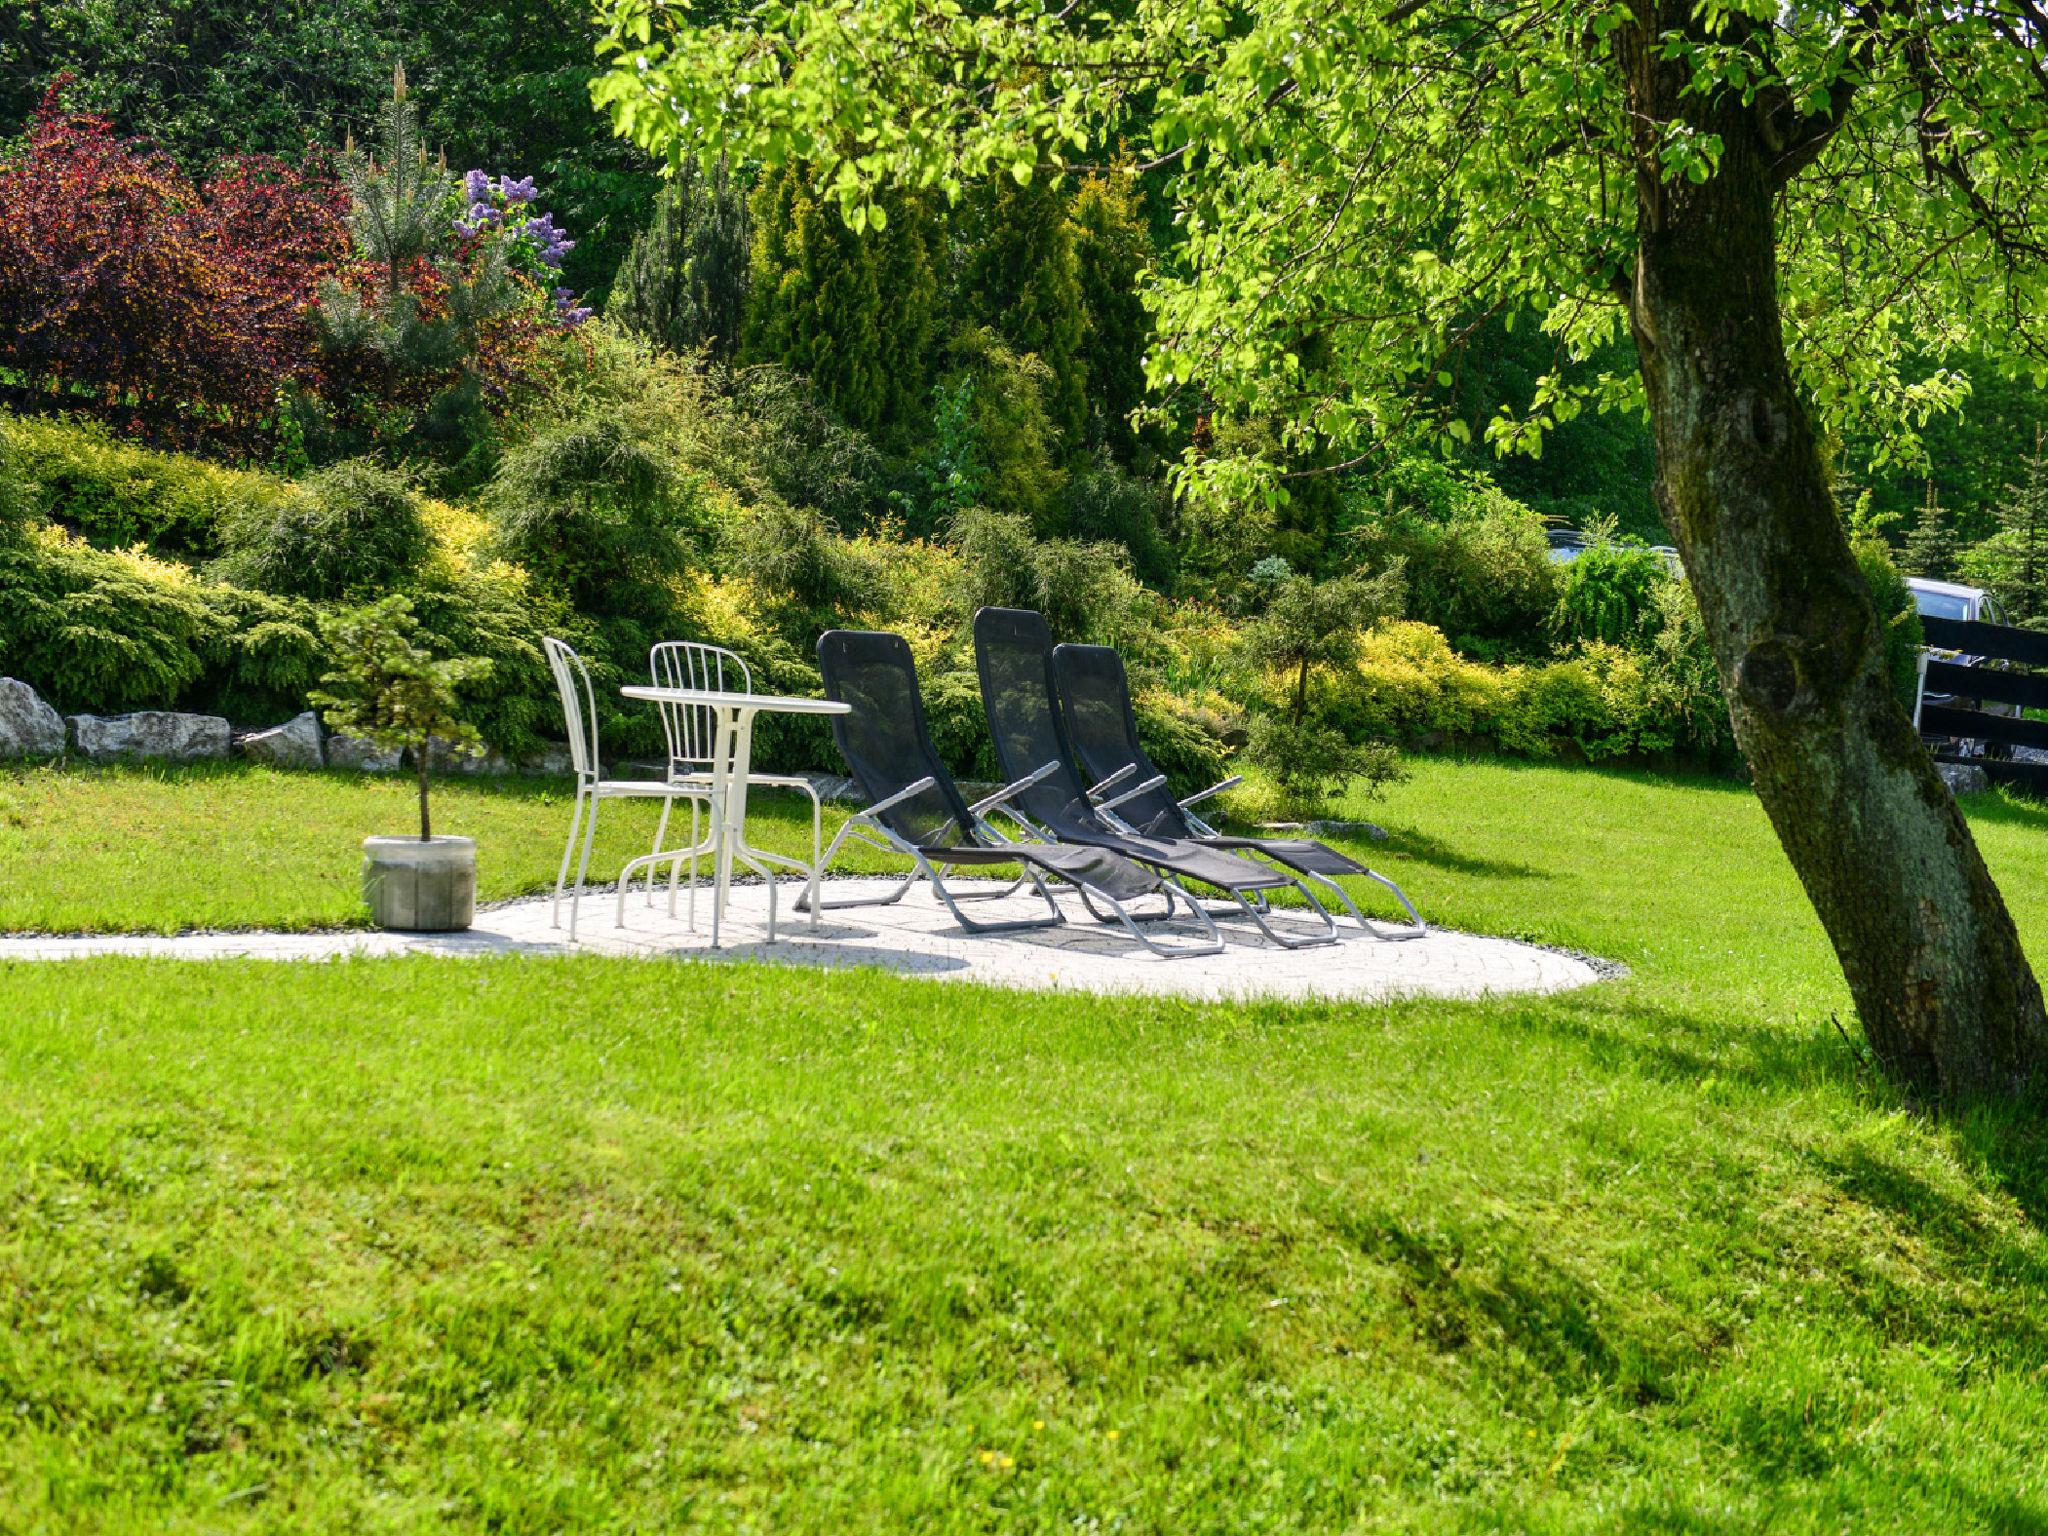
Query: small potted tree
389,690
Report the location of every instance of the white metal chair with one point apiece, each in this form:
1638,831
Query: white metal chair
693,743
579,713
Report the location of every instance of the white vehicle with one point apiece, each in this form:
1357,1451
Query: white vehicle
1952,600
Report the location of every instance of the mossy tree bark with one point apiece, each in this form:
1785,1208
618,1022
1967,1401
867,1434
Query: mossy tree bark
1934,964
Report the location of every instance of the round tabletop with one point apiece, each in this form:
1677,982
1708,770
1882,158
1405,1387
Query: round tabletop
712,698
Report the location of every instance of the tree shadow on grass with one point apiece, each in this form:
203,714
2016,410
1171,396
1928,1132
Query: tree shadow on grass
1673,1045
2006,810
1412,842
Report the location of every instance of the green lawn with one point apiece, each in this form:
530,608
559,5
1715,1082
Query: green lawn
545,1245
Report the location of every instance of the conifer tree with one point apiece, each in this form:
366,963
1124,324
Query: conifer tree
1111,248
684,281
908,281
1931,544
398,199
2023,520
1023,278
855,311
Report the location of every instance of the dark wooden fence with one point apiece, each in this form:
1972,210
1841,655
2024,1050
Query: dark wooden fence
1968,687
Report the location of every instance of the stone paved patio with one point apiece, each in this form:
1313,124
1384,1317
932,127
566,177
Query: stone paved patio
916,936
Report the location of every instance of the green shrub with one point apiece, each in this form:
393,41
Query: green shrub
1104,503
810,578
493,613
1408,683
1311,763
1609,593
98,632
601,515
117,495
1014,439
19,495
1181,744
352,529
774,432
1681,664
1601,702
260,657
1896,610
1311,626
1085,591
1478,564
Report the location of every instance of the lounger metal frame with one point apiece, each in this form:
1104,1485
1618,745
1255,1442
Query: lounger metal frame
1202,831
867,829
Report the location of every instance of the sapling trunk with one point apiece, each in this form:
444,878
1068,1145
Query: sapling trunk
426,827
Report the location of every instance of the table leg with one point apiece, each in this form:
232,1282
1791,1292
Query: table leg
739,758
721,840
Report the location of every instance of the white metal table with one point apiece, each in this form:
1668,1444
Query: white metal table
731,758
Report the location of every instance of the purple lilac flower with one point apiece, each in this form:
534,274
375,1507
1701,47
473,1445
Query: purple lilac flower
568,311
553,241
520,191
476,186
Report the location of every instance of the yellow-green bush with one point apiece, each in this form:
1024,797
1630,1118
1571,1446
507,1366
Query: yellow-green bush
1602,701
116,494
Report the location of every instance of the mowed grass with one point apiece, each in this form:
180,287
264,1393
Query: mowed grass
159,849
543,1245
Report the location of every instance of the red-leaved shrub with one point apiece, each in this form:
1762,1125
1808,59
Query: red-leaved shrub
170,308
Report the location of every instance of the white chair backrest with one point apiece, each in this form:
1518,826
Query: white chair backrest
692,728
579,706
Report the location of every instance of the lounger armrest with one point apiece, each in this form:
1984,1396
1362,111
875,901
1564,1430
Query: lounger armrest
1214,789
1010,791
1150,784
903,794
1095,793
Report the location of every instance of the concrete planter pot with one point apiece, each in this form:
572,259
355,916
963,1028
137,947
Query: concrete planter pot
420,887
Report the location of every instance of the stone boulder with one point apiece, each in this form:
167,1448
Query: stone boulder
151,733
1964,778
359,756
295,744
1369,829
552,761
28,726
445,759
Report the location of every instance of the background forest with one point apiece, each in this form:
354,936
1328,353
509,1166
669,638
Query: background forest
377,304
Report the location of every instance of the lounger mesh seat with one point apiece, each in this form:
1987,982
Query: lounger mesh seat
1095,699
887,746
917,811
1013,654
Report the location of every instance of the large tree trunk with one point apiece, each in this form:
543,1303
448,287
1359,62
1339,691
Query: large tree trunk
1945,995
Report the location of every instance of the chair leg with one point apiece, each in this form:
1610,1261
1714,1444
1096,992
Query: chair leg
1327,936
660,832
583,866
1418,928
1211,945
812,902
568,853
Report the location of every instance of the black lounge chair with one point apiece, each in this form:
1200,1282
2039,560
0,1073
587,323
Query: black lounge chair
1095,696
916,810
1013,654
